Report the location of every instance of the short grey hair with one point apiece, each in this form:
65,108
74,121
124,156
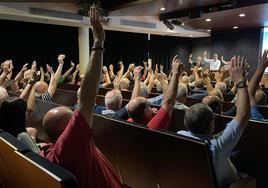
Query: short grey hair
182,91
113,100
221,86
197,119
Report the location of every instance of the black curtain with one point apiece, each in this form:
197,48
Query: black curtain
24,42
136,48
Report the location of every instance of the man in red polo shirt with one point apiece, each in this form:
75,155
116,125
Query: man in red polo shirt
71,134
140,111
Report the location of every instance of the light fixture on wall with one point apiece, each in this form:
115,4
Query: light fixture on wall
235,27
208,19
162,9
242,15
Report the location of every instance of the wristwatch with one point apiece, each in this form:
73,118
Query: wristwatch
241,84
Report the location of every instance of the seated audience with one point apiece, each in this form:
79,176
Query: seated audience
140,111
199,121
71,133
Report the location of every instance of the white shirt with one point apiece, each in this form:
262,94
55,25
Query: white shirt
213,65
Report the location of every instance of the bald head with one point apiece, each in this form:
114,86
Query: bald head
41,87
214,103
139,109
55,121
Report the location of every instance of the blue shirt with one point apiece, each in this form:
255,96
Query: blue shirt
221,146
255,114
157,101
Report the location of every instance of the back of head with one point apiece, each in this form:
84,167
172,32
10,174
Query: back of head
182,92
113,100
216,92
199,83
214,103
41,87
199,119
228,82
55,121
12,88
124,83
136,108
261,97
13,115
3,93
221,86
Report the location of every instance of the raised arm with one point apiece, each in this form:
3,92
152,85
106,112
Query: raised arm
164,83
255,80
207,80
129,70
90,84
145,70
151,82
19,76
108,80
42,77
170,95
190,59
11,67
6,71
137,82
111,71
121,69
75,73
237,72
68,72
55,77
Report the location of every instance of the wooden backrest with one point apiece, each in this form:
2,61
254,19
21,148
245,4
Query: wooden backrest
68,86
65,97
27,169
9,173
36,117
147,158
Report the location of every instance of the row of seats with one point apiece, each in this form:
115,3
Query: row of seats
20,167
147,158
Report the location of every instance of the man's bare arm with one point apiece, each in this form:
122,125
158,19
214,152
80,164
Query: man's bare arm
170,95
237,72
90,84
137,82
55,77
255,80
68,72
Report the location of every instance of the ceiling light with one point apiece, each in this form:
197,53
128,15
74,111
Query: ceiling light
208,30
162,8
182,23
242,15
208,20
235,27
191,35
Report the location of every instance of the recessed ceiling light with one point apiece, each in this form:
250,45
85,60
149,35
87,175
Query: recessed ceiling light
182,23
162,8
208,20
208,30
242,15
191,35
235,27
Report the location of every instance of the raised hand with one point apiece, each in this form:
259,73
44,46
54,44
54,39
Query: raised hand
161,68
61,58
237,70
160,76
263,63
78,66
111,67
176,64
131,67
72,64
116,82
24,68
97,29
104,69
137,71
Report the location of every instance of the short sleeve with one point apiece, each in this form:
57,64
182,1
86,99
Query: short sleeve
160,121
